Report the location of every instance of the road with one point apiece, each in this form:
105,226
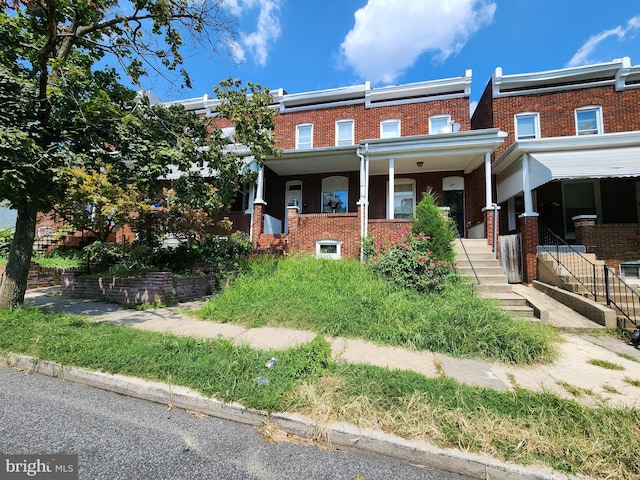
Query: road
118,437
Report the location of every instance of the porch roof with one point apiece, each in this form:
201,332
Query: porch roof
459,151
614,155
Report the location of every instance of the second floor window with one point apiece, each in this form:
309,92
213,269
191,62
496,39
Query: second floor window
304,136
589,121
440,124
527,126
344,133
390,129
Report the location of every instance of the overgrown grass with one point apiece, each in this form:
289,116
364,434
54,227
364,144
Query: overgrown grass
519,426
59,263
346,299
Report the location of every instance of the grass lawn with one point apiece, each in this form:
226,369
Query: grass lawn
346,299
519,426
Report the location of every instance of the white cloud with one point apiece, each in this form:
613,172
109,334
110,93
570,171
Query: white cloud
390,35
267,29
584,55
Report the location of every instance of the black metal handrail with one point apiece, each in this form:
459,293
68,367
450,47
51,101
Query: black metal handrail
464,249
599,280
571,261
624,298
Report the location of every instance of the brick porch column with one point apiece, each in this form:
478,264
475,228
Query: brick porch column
489,216
292,222
258,222
585,225
529,234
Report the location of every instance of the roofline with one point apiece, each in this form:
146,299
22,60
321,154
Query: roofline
619,73
454,87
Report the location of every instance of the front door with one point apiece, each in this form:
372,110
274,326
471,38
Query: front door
293,196
454,199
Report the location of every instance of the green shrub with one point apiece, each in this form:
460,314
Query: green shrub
438,229
6,237
410,263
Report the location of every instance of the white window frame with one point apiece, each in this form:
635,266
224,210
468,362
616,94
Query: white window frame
536,125
599,123
300,127
331,243
442,128
345,141
403,181
389,122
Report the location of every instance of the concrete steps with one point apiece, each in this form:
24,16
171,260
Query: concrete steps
493,281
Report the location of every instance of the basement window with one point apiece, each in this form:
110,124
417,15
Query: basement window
329,249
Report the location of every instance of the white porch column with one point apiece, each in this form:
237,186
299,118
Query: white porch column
488,197
260,187
392,189
526,188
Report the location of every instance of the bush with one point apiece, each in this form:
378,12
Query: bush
440,230
410,263
6,237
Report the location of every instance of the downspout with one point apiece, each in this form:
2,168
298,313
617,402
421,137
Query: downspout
363,200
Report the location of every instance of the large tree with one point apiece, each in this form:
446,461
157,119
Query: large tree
64,110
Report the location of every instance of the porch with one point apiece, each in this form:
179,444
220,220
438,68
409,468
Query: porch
326,200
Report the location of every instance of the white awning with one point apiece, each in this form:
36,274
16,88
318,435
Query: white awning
569,165
600,163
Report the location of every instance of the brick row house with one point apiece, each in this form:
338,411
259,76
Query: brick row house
571,159
356,160
541,148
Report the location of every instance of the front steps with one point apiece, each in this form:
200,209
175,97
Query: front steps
493,281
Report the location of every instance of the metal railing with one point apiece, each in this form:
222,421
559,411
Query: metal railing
621,296
597,279
464,249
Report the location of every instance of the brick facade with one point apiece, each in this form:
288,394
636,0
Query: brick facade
613,243
414,120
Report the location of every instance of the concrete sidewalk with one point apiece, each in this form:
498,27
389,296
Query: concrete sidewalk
571,370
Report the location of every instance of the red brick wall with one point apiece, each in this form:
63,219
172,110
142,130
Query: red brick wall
306,230
529,235
483,114
620,111
612,242
414,120
157,286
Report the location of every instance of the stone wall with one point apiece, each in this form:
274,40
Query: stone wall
161,287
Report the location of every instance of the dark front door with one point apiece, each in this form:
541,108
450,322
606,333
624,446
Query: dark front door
454,199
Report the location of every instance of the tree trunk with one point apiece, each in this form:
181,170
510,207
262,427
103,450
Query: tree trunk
14,281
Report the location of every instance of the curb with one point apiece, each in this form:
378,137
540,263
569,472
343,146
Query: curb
337,434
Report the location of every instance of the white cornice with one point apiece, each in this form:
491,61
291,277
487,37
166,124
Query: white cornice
601,74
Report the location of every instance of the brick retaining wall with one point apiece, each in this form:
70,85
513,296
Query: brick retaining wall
160,287
39,277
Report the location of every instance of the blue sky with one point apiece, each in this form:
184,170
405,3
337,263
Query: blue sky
304,45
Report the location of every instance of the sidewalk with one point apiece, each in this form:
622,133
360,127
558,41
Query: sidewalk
572,368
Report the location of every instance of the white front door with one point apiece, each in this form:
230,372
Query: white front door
293,196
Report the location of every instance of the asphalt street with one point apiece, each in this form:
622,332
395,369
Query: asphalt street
119,437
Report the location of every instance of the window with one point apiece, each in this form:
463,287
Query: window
328,249
404,198
527,126
390,129
589,121
304,136
335,195
579,198
344,133
440,124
